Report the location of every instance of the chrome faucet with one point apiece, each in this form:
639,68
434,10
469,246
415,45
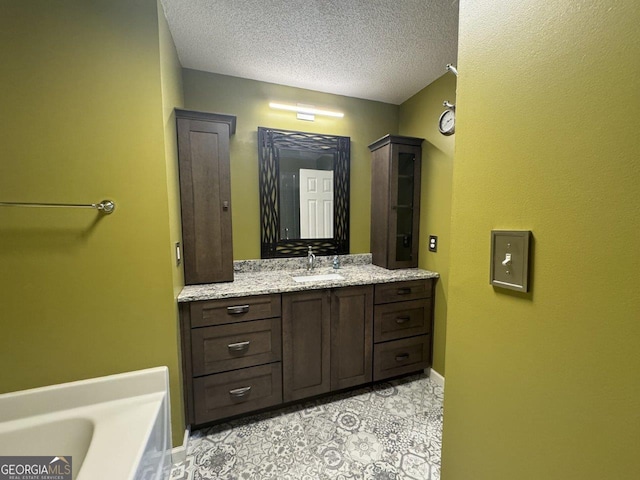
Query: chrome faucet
311,258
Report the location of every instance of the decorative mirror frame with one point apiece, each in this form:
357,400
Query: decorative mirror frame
270,140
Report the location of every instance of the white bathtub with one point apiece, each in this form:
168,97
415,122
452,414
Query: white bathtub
114,428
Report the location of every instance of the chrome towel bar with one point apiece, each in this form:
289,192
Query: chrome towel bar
105,206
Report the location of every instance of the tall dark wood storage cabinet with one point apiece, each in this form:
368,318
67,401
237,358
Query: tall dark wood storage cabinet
205,195
395,201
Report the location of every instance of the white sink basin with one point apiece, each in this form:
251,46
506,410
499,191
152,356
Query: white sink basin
319,278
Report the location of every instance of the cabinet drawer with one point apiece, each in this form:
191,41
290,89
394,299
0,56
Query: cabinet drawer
226,394
232,310
236,345
401,356
401,319
402,291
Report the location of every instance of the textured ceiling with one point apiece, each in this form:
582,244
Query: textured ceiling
385,50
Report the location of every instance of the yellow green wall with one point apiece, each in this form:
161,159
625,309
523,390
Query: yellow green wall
419,118
172,97
84,295
544,384
364,121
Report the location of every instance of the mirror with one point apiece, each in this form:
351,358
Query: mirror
304,193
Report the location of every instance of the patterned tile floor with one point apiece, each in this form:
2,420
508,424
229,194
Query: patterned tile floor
388,431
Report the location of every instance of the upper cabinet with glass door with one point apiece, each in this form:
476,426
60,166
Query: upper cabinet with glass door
395,201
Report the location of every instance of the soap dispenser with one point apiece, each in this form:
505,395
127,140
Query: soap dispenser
336,262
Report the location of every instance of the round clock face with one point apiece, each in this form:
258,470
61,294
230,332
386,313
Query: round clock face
447,122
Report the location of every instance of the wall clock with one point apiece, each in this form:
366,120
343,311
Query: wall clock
447,121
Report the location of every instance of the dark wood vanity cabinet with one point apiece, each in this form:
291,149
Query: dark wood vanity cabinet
231,352
403,316
327,340
247,353
205,195
395,201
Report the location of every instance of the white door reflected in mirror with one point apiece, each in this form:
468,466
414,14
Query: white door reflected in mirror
316,203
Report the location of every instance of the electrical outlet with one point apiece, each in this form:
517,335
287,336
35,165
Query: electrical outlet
433,243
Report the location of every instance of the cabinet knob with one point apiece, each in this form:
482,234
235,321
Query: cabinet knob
239,392
404,291
403,319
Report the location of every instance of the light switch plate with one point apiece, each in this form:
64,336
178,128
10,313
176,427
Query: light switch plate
178,254
510,259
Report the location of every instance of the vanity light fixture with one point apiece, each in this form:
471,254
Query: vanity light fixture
305,112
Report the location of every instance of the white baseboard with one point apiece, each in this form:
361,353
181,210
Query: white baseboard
179,454
435,377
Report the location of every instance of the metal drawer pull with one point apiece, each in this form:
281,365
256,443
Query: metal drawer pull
401,320
238,309
402,357
239,392
239,346
404,291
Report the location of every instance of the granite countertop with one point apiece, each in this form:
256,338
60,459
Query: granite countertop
259,277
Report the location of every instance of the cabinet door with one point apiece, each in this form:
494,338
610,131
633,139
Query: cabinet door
380,206
205,198
404,216
306,323
351,336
